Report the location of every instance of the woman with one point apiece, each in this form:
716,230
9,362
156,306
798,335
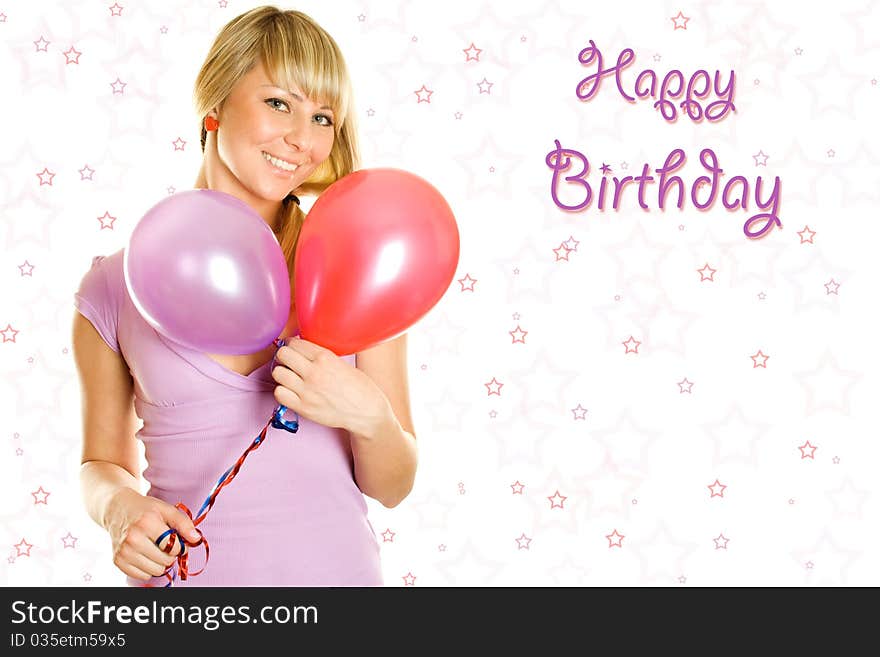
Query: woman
275,104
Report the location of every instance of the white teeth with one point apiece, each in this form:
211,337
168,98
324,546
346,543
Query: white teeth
281,164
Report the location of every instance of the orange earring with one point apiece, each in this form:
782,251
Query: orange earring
211,123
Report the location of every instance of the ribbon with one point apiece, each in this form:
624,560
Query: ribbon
182,562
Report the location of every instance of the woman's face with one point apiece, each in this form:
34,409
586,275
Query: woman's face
259,118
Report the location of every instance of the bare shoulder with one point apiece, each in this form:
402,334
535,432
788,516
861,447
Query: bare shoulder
109,421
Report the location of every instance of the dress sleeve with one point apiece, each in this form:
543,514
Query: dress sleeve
95,301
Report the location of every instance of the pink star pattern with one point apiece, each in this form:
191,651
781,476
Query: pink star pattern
580,413
69,540
45,177
106,221
522,542
808,451
72,56
409,579
517,487
561,252
557,500
721,542
518,335
615,539
9,333
679,22
22,548
467,283
40,496
807,231
494,387
388,536
472,53
759,356
631,342
703,276
717,489
423,95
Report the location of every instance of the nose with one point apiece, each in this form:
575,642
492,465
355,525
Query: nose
299,135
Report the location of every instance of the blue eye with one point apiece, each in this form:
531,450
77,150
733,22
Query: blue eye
327,121
277,100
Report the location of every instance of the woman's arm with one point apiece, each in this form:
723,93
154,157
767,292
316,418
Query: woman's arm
385,463
110,460
100,481
386,455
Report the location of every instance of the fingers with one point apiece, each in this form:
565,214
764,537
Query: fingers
131,557
144,544
287,397
296,358
288,378
163,545
131,571
138,562
310,350
181,522
139,556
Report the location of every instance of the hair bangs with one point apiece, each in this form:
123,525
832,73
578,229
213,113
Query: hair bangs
298,56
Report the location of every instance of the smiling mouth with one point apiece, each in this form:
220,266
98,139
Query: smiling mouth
280,164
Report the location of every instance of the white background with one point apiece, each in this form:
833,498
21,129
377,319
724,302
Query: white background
660,426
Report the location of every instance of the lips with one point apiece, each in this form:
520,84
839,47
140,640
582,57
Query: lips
280,159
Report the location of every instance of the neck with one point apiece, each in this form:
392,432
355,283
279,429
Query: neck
224,181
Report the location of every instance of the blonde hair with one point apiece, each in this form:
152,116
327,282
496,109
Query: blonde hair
293,49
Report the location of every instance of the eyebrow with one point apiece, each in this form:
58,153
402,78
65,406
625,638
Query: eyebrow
297,96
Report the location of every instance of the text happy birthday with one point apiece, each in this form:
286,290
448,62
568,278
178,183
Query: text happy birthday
735,192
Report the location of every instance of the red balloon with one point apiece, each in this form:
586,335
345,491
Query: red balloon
377,251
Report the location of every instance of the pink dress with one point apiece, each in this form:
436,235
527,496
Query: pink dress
293,515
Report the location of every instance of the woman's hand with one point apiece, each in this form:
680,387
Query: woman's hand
134,522
319,385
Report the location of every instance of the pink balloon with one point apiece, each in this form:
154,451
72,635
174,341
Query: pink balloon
378,250
205,271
